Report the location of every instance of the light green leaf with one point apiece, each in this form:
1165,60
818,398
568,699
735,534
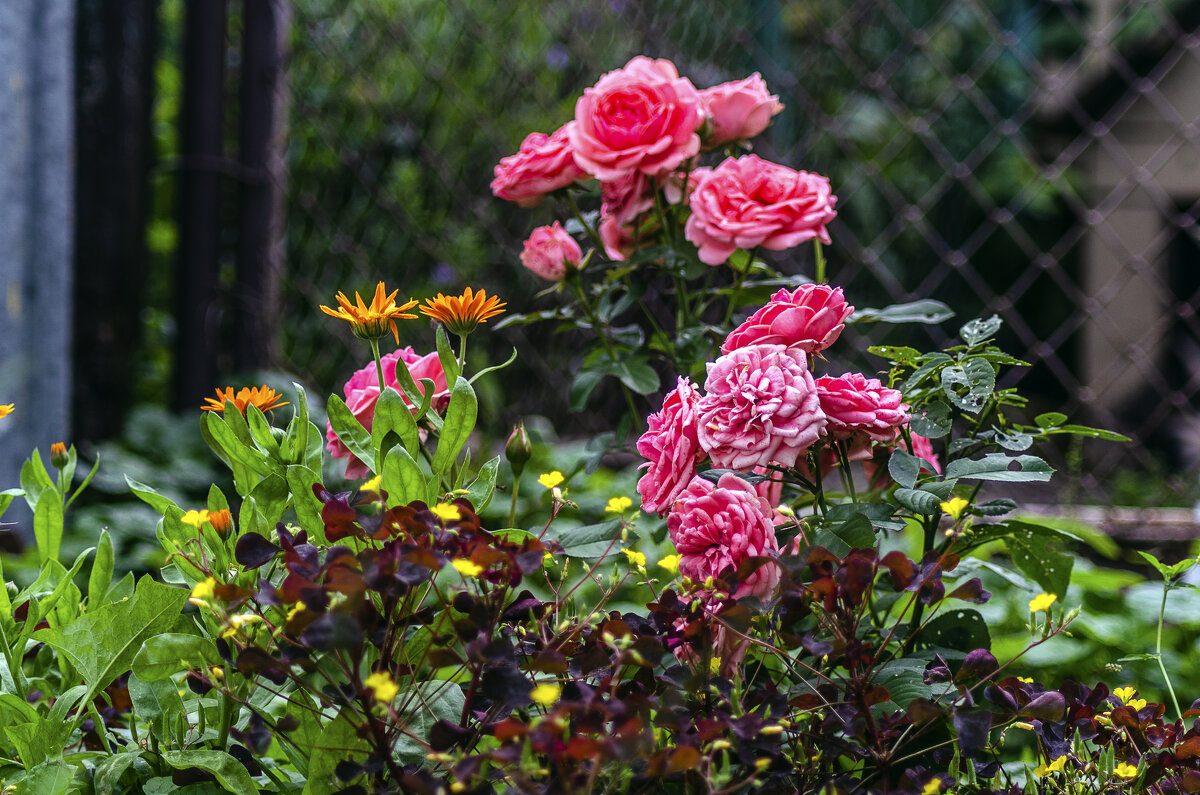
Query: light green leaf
300,480
351,432
48,525
403,479
271,498
392,414
484,486
157,703
170,653
457,428
338,741
102,571
148,495
230,773
446,355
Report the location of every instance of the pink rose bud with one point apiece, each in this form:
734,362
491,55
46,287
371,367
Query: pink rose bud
543,164
761,407
549,251
739,109
856,404
643,117
670,447
810,318
717,526
747,202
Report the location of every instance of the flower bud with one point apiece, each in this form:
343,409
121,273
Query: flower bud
58,455
518,449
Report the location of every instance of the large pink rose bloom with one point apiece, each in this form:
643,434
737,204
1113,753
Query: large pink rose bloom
550,251
761,407
643,117
739,109
543,164
716,527
670,447
856,404
362,392
748,202
810,318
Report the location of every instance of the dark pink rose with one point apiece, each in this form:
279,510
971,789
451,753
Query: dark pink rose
550,251
748,202
626,198
810,318
856,404
643,117
739,109
761,406
716,527
543,164
670,447
362,392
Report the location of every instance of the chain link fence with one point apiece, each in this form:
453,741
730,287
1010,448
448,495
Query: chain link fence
1039,160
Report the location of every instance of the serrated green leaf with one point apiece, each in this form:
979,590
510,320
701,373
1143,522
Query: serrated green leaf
996,466
979,330
968,385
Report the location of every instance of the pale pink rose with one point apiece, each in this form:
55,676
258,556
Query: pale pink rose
856,404
716,527
739,109
619,241
549,251
626,198
761,406
643,117
748,202
670,447
543,164
770,489
362,393
676,191
810,318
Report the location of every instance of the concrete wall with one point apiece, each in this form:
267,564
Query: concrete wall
36,175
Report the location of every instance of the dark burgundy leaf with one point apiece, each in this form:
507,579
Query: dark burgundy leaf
252,550
333,631
973,729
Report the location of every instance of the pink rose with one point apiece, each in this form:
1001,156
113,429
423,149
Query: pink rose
626,198
923,448
543,164
716,527
674,189
856,404
549,251
670,447
642,117
748,202
362,392
619,241
810,318
739,109
761,406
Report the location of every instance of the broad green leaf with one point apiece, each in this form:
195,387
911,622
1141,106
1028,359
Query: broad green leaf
170,653
261,432
109,771
38,740
968,385
904,467
840,538
933,420
300,480
1014,441
880,514
35,480
54,777
1051,419
923,311
403,479
350,431
102,570
435,700
590,542
960,629
238,451
919,501
582,387
484,486
230,773
157,703
932,362
271,498
338,741
6,498
457,427
1168,572
979,330
904,680
48,525
392,414
1035,551
102,644
996,466
148,495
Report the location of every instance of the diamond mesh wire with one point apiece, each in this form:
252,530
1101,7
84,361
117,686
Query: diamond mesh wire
1039,160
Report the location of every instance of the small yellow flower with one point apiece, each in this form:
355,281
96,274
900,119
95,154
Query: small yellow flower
6,409
636,559
1125,771
202,590
462,314
551,479
933,787
195,519
1135,703
714,665
1042,602
297,608
237,622
372,485
954,507
382,686
1026,679
466,567
446,512
217,672
546,694
372,322
1041,771
261,397
618,505
1125,693
670,563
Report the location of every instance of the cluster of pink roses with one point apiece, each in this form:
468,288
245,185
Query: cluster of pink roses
761,407
639,131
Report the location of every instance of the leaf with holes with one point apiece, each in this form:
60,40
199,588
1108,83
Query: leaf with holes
962,630
980,329
969,384
933,421
997,466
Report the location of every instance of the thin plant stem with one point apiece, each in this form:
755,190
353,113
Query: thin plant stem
512,508
591,233
820,258
378,363
608,347
1162,611
462,353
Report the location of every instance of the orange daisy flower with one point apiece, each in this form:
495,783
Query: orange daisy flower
263,398
462,314
6,409
373,321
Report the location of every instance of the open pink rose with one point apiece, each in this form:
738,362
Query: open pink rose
856,404
670,447
716,527
810,318
626,198
739,109
362,393
543,164
642,117
748,202
761,406
549,251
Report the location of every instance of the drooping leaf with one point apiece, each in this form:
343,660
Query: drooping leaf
923,311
